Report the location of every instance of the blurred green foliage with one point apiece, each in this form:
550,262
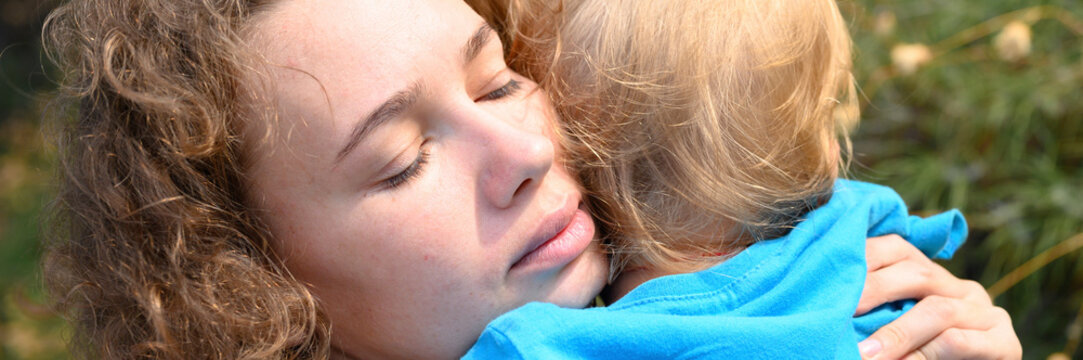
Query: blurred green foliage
1000,139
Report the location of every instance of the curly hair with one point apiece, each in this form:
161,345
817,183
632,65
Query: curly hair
699,127
155,254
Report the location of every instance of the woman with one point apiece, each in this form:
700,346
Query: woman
296,179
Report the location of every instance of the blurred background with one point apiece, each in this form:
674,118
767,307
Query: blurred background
968,104
978,105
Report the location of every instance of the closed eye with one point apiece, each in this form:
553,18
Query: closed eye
410,172
504,91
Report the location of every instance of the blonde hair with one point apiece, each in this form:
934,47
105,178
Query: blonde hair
699,127
156,254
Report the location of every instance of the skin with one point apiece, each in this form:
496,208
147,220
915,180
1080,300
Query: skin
374,253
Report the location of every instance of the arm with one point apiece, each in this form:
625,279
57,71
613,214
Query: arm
954,318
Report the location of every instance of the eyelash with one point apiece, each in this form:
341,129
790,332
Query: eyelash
509,89
411,172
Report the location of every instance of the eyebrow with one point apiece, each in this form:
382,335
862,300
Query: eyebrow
404,99
477,42
389,110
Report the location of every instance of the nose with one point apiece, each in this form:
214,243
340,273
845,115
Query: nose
517,157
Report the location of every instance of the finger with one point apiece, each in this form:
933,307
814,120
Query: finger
974,292
999,342
927,319
958,344
885,250
916,279
906,279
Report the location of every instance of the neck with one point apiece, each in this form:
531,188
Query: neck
629,279
633,276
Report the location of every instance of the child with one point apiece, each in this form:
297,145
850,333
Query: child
705,128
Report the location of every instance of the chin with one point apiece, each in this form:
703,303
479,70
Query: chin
582,281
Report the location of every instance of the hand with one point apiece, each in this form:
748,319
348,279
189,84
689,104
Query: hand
953,319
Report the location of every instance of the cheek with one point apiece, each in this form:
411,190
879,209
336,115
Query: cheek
395,238
420,277
418,237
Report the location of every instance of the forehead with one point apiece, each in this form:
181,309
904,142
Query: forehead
330,62
374,41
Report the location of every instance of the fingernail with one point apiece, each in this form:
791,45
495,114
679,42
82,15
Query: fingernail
869,348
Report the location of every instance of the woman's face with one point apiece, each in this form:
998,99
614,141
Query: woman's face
414,181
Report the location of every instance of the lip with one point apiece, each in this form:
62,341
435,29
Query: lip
559,239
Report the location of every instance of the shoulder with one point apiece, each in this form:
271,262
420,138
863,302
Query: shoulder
848,187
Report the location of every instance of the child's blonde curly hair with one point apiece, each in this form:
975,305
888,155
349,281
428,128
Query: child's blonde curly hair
699,127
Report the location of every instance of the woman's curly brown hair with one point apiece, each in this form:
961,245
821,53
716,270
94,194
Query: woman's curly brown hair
155,254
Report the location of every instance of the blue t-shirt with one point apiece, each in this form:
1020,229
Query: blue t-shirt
791,297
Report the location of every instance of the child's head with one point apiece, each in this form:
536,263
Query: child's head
699,126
